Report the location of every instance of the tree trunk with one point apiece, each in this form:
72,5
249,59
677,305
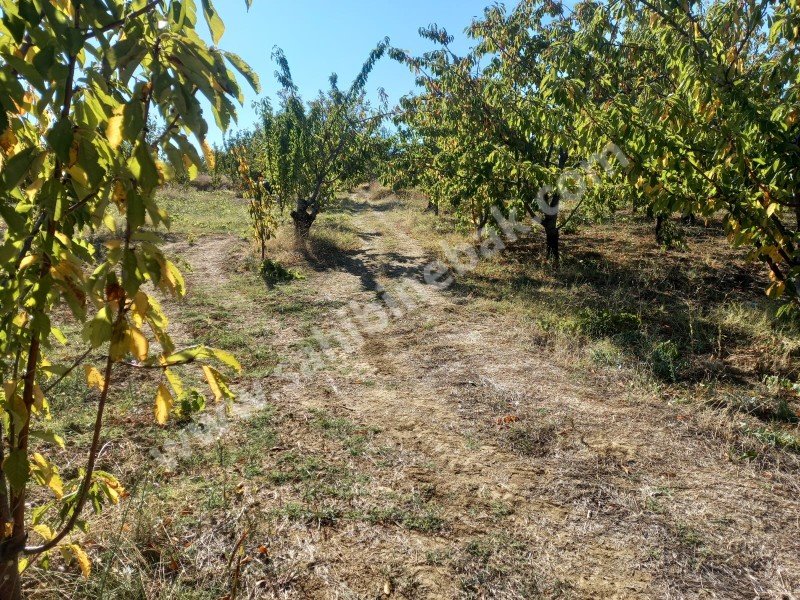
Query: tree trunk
303,217
10,581
10,547
660,220
550,224
302,224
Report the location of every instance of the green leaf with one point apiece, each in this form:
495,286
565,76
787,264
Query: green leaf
98,330
44,60
132,277
143,168
135,209
15,170
48,436
243,68
215,24
17,468
60,139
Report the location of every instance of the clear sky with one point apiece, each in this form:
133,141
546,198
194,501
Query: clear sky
321,36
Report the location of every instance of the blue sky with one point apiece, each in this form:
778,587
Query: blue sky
321,36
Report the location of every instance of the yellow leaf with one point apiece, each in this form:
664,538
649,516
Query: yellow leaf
28,99
174,381
114,131
59,335
227,358
140,347
9,389
28,261
93,378
141,304
8,140
165,172
78,174
34,188
772,252
163,404
44,531
776,290
172,278
46,474
40,403
109,222
73,153
84,563
110,486
120,341
119,194
38,396
208,152
212,383
217,383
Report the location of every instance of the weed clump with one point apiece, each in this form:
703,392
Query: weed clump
273,272
666,360
605,323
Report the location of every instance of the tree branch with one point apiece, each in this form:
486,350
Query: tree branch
83,490
120,22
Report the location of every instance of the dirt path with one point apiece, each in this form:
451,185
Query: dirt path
552,481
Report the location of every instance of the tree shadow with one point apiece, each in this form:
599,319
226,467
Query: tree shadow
352,205
365,263
682,314
386,205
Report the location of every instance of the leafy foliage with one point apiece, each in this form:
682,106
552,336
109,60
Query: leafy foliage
81,81
301,155
699,99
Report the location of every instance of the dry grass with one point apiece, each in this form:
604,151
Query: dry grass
516,437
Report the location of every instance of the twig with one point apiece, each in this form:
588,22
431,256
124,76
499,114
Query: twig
66,373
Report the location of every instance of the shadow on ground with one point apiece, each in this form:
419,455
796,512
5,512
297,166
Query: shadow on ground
692,315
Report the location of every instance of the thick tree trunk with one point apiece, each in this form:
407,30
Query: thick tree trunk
302,224
303,217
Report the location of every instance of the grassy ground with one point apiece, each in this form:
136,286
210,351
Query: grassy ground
691,324
623,427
